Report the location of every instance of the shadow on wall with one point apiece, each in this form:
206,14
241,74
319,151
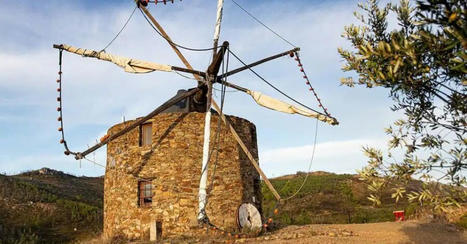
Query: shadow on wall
434,232
147,156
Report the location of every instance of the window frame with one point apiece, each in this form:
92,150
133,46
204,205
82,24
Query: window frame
142,135
142,193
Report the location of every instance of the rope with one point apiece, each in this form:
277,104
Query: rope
260,22
270,84
309,166
173,43
218,128
94,162
126,23
60,106
225,67
305,76
184,76
220,90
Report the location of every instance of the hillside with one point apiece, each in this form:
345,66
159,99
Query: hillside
328,198
48,206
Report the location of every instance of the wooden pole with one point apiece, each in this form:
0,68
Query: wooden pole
162,31
217,29
194,72
258,62
158,110
247,152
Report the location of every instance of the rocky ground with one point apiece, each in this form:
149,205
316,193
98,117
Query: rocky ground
417,232
387,232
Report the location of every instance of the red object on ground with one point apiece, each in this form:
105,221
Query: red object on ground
399,215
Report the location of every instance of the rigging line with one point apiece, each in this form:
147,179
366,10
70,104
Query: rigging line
218,125
94,162
184,76
309,166
173,43
60,107
126,23
225,67
271,85
220,90
260,22
215,147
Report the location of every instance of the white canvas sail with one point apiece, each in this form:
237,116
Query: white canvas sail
128,64
278,105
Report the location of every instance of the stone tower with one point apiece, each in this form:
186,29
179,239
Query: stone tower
153,172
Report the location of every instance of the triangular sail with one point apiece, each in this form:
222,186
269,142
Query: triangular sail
128,64
278,105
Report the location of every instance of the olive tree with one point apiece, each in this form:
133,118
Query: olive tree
422,64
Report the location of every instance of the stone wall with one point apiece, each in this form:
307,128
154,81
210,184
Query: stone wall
173,164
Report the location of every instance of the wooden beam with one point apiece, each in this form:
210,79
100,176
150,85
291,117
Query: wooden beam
213,68
191,71
164,34
258,63
247,152
155,112
243,89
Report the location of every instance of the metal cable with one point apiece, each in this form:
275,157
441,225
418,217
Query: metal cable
212,149
263,24
126,23
270,84
309,166
225,67
94,162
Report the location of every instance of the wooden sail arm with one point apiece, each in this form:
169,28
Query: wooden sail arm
277,105
232,72
214,67
139,122
129,64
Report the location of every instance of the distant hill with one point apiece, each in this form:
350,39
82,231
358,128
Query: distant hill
49,206
327,198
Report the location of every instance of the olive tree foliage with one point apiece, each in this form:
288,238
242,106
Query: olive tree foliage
422,62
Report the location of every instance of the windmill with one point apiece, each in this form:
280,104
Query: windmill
200,95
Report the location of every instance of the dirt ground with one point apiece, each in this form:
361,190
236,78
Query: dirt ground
422,232
387,232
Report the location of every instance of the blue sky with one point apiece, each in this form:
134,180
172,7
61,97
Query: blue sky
97,94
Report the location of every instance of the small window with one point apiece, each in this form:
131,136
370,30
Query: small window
145,193
145,134
112,162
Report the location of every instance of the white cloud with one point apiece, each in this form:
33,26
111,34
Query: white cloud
332,156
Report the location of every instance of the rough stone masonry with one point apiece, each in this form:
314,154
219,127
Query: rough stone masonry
172,165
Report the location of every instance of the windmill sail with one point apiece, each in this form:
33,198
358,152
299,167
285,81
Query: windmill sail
278,105
128,64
